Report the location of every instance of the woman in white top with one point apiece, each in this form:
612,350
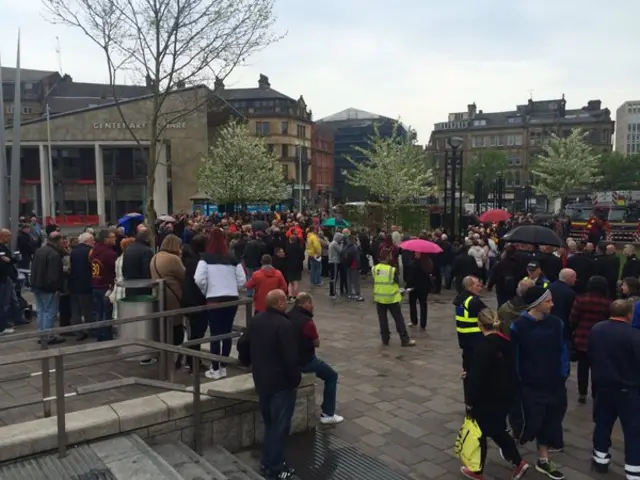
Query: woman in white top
118,292
219,277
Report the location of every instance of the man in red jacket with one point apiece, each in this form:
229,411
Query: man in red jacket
265,280
103,275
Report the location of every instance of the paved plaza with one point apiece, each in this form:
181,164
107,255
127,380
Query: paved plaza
402,405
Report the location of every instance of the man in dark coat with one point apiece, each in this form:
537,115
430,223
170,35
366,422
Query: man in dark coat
136,262
607,265
581,263
80,277
270,344
631,266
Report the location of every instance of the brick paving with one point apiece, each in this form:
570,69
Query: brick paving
402,405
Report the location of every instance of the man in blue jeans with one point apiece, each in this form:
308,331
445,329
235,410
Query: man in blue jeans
47,281
269,344
308,340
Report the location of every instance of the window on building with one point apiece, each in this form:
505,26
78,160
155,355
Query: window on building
479,123
514,120
518,139
494,140
262,128
500,140
285,172
285,151
516,178
28,86
284,128
302,131
140,163
27,110
271,147
511,140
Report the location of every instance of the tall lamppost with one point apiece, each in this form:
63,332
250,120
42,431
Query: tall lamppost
455,167
527,197
500,189
478,192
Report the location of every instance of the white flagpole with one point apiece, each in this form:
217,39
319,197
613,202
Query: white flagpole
15,154
4,185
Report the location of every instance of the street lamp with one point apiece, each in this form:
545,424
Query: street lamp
478,192
499,189
455,159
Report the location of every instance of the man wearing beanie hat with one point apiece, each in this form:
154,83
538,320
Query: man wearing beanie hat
542,362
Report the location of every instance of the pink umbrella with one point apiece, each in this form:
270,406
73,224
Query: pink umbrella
420,246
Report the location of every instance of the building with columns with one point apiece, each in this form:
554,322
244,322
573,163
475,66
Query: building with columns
100,161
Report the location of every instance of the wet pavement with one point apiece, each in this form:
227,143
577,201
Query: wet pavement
403,406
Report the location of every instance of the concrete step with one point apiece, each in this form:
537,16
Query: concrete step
188,464
128,457
228,464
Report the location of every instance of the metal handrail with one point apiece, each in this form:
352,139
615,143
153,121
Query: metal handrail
58,354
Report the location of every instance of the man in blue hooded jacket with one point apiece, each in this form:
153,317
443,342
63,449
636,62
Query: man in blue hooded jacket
542,362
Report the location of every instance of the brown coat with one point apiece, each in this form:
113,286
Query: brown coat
169,267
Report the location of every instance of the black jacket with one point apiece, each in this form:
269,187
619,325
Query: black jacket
253,253
136,262
270,345
631,267
306,349
295,257
504,276
192,296
551,266
492,379
80,274
7,269
608,266
463,265
46,270
582,264
563,297
26,247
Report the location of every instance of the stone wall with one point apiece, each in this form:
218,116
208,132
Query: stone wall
167,416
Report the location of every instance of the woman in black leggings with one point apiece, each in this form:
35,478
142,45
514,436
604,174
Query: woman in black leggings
491,390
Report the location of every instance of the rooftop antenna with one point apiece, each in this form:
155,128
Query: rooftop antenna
59,55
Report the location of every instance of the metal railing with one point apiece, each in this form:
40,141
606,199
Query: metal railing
164,346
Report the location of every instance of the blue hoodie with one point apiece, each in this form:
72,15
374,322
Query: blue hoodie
542,358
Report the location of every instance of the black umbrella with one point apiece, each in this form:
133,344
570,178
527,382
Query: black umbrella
534,235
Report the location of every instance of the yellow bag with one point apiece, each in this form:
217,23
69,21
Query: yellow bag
468,445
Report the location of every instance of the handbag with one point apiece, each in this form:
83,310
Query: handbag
467,447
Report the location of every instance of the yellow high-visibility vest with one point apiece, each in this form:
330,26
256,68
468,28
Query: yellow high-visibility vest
385,290
466,324
543,284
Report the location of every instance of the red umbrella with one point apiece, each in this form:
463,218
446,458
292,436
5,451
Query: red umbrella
420,246
495,216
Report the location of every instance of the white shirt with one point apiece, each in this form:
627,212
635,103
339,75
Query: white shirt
219,280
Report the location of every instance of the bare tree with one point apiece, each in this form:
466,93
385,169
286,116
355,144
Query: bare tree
169,45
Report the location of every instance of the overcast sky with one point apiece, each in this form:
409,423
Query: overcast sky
413,59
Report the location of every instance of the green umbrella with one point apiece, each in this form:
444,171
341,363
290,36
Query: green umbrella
335,222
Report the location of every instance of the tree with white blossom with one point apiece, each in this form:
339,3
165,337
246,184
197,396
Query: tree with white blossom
240,169
567,164
394,170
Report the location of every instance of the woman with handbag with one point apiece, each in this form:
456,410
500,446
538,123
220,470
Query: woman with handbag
491,390
167,265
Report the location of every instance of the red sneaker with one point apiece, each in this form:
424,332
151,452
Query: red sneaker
519,471
469,474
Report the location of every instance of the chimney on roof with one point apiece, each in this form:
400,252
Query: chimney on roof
471,109
148,80
263,82
594,105
218,84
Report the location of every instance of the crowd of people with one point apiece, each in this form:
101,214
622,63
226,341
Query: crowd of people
515,358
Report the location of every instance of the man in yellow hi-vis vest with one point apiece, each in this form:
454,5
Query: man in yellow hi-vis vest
387,295
468,305
535,274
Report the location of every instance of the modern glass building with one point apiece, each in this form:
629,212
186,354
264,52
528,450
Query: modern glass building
352,128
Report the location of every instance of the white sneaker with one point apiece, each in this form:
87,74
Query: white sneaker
331,419
223,372
7,331
213,374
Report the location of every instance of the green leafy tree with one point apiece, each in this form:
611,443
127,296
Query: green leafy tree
487,165
240,169
618,172
395,171
567,164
